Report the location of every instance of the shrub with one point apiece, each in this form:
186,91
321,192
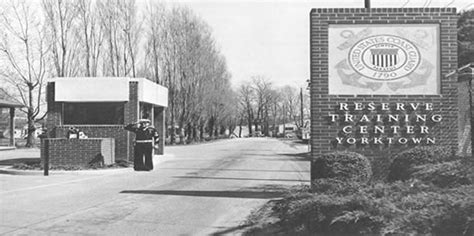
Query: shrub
446,174
399,208
437,212
323,213
380,167
66,167
24,166
335,186
403,163
348,166
123,163
458,219
437,199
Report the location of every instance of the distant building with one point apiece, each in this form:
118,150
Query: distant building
8,105
287,130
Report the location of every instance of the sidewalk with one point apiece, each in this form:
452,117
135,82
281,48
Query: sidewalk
32,155
18,154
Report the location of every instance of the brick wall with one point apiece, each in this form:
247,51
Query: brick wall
101,131
70,151
323,132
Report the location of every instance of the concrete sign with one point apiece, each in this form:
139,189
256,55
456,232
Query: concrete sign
385,59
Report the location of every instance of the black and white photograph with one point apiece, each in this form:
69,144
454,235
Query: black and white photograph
237,117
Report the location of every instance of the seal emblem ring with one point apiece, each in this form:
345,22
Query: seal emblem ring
384,57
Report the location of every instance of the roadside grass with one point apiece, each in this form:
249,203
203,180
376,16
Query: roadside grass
434,196
92,166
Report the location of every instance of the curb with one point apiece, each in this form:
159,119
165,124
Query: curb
10,171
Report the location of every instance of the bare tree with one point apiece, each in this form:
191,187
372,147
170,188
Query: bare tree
23,53
247,94
274,107
181,54
263,93
155,18
220,99
291,103
263,105
91,37
121,34
60,17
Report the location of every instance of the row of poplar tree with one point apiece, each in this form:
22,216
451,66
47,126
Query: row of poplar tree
75,38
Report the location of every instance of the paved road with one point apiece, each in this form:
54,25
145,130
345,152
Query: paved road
195,190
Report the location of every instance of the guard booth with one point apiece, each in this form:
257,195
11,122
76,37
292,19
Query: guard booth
99,108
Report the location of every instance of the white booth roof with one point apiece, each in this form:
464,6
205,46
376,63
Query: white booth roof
107,89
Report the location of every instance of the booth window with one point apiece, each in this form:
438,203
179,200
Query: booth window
94,113
145,111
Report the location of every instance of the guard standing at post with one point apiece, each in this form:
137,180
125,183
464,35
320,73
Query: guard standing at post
145,140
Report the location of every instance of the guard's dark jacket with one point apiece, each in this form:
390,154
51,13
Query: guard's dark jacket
146,137
145,133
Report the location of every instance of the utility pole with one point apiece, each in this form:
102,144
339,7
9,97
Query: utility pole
472,110
470,77
284,121
367,4
301,103
275,127
467,72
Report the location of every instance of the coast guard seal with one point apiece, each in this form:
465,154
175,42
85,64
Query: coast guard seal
384,57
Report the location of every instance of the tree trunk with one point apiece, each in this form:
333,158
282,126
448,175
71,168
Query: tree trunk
232,129
249,120
201,132
216,132
222,132
211,127
189,131
30,138
195,133
181,133
240,128
173,131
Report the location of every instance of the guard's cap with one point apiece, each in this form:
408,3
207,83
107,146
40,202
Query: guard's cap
141,121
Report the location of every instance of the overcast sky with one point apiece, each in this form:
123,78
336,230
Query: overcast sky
271,38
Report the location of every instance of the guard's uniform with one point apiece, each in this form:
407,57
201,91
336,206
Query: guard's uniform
145,139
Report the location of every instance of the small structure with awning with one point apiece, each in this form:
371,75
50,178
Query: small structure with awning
100,107
9,102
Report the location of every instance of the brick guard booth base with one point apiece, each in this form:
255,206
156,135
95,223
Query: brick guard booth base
77,152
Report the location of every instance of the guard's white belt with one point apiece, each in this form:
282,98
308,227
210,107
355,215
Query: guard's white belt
144,141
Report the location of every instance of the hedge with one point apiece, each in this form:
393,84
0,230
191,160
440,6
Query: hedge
347,166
